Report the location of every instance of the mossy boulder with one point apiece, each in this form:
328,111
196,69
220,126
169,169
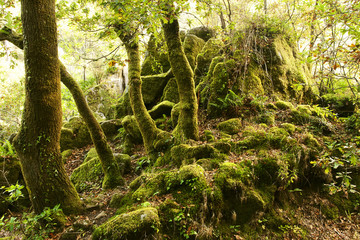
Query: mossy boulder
90,155
90,173
231,126
132,129
156,60
290,128
252,138
204,33
138,224
184,152
267,118
152,88
171,92
283,105
123,107
161,109
111,127
66,154
210,50
192,47
74,134
208,136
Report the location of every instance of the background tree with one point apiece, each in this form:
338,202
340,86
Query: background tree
38,142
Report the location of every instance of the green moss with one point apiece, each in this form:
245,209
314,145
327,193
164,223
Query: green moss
123,107
175,112
132,129
290,128
222,147
184,152
203,32
208,136
90,155
192,47
231,126
253,138
310,141
282,105
267,118
137,224
252,83
66,154
162,108
277,137
152,87
87,174
171,92
342,104
330,211
231,177
111,127
66,139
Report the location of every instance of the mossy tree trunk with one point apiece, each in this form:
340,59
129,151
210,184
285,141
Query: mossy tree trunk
147,126
188,120
109,166
38,142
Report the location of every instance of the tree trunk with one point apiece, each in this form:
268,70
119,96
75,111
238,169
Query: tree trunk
109,166
188,121
38,142
147,126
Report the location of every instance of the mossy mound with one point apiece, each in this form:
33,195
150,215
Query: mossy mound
74,134
123,107
111,127
152,88
161,109
192,47
184,153
90,173
132,129
171,92
231,126
204,33
156,61
138,224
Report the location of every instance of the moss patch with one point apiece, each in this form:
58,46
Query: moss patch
137,224
231,126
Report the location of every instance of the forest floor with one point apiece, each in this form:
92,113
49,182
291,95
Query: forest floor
307,213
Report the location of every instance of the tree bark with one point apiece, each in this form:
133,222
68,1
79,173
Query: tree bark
188,120
147,126
109,166
38,142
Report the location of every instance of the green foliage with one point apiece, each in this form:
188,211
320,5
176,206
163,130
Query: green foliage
7,149
34,227
13,191
337,160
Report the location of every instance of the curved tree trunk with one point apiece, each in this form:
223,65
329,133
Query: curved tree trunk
38,142
188,120
109,166
147,126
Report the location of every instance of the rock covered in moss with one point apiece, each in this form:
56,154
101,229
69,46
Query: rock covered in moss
231,126
152,87
184,152
123,107
282,105
266,118
192,47
203,32
210,50
90,171
171,92
132,129
111,127
138,224
290,128
79,131
162,108
208,136
66,154
156,60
